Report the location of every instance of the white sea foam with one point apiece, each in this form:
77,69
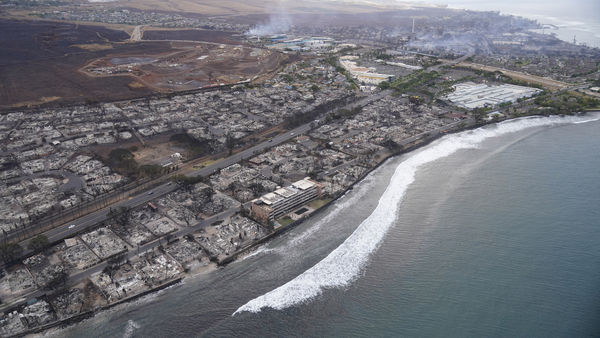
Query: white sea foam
586,121
343,203
130,328
345,262
261,250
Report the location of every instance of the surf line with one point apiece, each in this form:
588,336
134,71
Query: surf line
343,265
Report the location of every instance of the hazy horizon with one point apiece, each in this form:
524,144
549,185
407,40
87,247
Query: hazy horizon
578,17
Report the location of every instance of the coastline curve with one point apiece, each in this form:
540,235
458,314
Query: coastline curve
344,264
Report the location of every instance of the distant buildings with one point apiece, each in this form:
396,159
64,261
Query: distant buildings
281,42
283,200
363,74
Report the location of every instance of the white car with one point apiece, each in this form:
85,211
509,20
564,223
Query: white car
72,226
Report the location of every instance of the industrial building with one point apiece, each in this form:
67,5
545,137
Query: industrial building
474,95
363,74
301,44
283,200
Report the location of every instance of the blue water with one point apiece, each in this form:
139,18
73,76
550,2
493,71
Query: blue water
500,238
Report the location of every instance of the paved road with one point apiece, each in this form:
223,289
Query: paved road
78,277
70,229
73,227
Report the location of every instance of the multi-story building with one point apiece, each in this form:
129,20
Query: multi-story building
283,200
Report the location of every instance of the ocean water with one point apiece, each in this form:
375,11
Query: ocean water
579,19
491,232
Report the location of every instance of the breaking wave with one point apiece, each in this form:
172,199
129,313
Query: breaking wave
261,250
342,204
344,263
130,328
345,201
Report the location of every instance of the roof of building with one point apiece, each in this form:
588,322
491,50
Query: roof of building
304,184
271,198
286,192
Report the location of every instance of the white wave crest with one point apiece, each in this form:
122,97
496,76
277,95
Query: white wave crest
344,263
358,193
130,328
586,121
261,250
340,205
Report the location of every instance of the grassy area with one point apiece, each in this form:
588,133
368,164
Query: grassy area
414,80
122,161
193,147
566,103
316,204
285,221
208,162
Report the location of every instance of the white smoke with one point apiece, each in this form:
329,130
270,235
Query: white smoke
279,22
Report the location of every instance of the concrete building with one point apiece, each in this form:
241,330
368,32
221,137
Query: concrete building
283,200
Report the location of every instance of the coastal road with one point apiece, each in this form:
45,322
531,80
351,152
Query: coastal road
133,252
71,228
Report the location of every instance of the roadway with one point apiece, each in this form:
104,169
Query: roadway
131,253
71,228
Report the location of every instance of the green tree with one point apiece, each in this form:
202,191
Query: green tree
39,242
57,282
230,143
10,252
121,215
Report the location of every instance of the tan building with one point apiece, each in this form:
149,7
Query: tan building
283,200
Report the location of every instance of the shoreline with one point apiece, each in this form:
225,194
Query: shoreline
426,139
412,146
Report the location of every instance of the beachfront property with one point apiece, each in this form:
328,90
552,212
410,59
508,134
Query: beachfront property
283,200
476,95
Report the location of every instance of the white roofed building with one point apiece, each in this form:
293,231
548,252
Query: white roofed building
283,200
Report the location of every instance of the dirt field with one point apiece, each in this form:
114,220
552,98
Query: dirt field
191,35
234,7
158,148
191,66
39,63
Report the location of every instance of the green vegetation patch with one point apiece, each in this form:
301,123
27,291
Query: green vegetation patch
342,114
193,146
413,81
316,204
566,103
285,221
122,160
